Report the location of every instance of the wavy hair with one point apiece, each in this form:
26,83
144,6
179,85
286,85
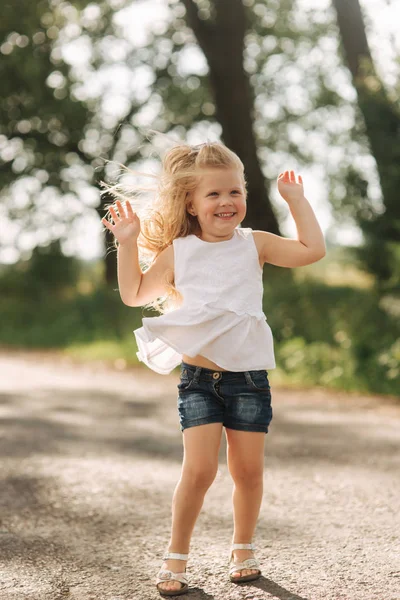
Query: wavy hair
165,217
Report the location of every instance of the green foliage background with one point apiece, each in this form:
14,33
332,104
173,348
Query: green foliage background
56,137
325,333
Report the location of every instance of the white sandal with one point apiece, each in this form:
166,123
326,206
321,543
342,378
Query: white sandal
166,575
249,563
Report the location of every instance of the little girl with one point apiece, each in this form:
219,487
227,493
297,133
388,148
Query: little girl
207,271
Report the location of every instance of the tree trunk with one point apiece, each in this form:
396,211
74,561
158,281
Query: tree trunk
110,258
382,122
222,43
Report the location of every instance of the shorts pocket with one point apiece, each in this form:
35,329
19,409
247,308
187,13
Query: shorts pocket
259,381
186,381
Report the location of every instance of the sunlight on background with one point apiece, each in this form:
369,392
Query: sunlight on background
116,84
138,20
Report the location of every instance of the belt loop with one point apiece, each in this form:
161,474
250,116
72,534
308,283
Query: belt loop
248,377
197,374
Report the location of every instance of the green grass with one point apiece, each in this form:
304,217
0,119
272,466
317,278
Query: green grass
122,352
326,332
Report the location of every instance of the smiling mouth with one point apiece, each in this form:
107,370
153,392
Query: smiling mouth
225,215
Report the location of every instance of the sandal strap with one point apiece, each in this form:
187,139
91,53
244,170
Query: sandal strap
175,555
249,563
242,547
165,575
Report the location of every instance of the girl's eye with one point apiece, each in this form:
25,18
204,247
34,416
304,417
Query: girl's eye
216,193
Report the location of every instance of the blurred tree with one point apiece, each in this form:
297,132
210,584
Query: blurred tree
221,38
57,133
83,87
48,271
381,252
40,123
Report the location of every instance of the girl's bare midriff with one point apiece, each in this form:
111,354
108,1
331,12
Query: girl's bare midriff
201,361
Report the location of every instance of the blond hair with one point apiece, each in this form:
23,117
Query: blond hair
165,217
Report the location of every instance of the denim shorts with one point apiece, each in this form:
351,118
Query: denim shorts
238,399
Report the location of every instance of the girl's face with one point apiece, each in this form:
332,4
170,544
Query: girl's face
218,193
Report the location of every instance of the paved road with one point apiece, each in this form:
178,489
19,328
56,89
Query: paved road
90,457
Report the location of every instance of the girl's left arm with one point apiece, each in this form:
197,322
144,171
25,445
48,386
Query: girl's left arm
310,245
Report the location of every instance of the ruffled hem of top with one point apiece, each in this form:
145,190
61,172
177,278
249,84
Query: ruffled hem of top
176,358
148,356
162,354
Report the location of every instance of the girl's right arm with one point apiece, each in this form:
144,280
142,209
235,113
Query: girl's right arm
135,287
129,271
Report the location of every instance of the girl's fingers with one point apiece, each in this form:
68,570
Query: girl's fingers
106,223
121,210
129,210
113,214
290,177
284,176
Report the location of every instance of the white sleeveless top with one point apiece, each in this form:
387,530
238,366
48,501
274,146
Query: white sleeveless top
221,316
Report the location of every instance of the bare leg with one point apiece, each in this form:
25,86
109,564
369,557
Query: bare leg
199,468
245,457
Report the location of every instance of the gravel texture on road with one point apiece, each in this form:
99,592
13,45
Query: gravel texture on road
90,456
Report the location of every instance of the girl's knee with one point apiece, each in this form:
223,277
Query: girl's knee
199,476
248,477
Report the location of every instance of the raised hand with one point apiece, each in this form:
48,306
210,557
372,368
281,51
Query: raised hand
290,188
126,226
